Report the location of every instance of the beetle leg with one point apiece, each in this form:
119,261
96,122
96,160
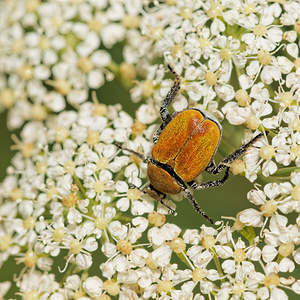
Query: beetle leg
157,133
171,211
206,185
141,156
212,168
159,196
155,194
133,186
164,112
196,205
192,199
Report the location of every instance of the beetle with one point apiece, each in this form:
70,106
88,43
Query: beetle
184,147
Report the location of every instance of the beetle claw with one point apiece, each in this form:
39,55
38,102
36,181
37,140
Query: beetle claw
132,186
172,212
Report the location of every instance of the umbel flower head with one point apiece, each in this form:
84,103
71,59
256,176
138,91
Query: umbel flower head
69,191
69,196
54,52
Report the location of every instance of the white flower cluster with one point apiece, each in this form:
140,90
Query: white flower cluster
68,193
238,60
54,52
62,192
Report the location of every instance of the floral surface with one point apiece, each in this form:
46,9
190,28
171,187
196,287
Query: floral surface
69,194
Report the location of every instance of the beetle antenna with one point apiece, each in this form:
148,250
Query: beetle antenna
164,112
175,74
139,155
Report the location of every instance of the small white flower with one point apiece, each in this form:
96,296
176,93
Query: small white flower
162,255
251,217
166,233
83,261
269,253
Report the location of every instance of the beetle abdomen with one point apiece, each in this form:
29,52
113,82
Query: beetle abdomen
162,180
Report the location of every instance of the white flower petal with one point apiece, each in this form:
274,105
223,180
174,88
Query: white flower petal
162,255
93,286
229,266
83,261
269,253
286,265
278,294
292,50
251,217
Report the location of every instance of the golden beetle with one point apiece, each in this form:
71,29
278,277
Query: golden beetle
184,146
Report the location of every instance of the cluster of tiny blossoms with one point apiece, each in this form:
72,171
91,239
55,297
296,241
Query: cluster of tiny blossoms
65,196
67,191
54,52
240,61
62,196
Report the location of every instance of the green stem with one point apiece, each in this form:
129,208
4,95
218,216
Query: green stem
238,74
80,186
279,258
282,174
285,172
68,273
119,176
183,258
218,265
249,233
114,68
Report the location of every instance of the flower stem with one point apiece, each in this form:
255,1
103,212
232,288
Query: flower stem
218,265
80,186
